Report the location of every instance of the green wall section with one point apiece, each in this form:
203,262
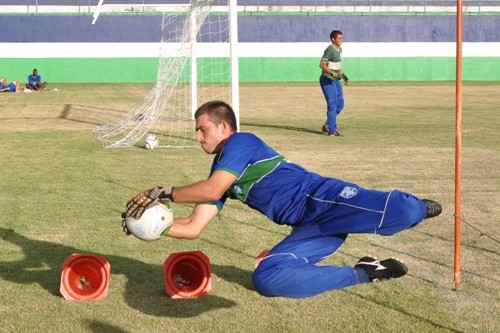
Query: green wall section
82,70
143,70
370,69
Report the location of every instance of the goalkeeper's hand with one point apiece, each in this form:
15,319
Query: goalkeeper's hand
346,79
136,206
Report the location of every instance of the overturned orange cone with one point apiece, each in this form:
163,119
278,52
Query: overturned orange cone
187,274
85,277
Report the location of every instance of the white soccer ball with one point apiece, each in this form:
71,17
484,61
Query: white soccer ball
151,142
153,224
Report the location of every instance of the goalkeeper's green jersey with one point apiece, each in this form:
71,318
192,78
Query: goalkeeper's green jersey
333,57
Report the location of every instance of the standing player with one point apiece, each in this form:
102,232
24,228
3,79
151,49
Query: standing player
35,81
330,82
321,211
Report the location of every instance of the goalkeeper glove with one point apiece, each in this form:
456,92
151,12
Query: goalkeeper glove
136,206
124,225
346,79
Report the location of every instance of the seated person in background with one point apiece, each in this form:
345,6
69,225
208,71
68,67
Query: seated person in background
35,81
11,87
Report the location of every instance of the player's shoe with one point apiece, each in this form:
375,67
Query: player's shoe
380,270
335,134
324,130
432,208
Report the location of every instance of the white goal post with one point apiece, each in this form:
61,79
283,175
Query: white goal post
198,62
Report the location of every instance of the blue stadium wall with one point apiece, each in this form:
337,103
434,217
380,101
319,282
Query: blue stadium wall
273,47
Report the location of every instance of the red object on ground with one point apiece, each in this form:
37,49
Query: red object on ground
187,274
85,277
260,257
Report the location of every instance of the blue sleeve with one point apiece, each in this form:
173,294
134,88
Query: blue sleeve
219,203
240,151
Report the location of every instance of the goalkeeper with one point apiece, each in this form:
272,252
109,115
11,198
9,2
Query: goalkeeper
320,211
329,81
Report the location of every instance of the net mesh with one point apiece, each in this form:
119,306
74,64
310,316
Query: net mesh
193,67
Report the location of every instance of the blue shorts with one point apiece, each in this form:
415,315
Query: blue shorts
11,86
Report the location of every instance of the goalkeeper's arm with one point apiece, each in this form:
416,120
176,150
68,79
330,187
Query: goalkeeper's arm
345,78
190,227
210,189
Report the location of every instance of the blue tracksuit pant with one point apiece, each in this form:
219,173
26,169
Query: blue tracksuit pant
334,96
333,210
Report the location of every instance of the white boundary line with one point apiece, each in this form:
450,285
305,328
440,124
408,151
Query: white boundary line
248,50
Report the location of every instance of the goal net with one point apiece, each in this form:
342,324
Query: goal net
193,68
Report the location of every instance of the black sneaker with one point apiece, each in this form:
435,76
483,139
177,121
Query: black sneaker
432,208
382,270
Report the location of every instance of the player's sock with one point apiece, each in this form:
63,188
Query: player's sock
361,275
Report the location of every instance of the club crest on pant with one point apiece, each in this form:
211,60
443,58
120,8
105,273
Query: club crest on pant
348,192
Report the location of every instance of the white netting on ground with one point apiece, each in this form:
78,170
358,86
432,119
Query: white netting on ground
193,35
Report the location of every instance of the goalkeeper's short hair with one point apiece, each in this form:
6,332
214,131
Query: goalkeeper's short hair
218,111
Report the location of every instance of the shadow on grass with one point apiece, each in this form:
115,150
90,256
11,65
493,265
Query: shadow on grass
289,128
69,108
381,302
145,287
99,327
482,247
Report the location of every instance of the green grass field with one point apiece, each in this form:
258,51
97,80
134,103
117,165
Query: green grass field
62,193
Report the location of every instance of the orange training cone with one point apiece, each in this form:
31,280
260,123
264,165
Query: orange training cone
187,274
260,257
85,277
